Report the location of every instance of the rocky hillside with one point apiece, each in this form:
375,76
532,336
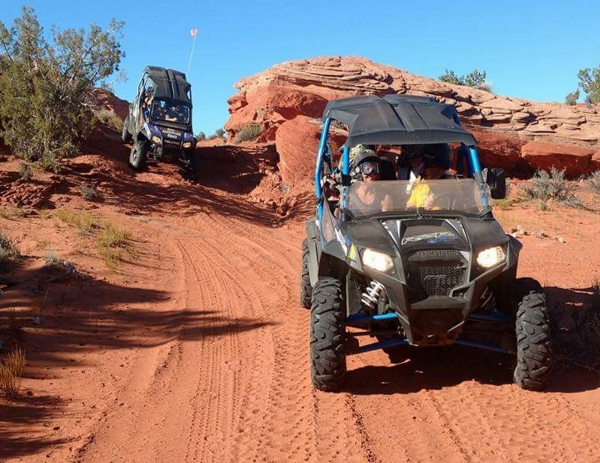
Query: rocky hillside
514,133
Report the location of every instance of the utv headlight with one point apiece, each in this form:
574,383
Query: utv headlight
491,256
377,260
155,139
187,144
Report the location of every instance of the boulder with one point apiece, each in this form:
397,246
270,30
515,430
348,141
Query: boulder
574,160
283,93
297,142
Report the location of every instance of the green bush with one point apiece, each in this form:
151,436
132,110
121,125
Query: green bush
474,79
46,88
248,132
25,171
201,136
589,82
571,98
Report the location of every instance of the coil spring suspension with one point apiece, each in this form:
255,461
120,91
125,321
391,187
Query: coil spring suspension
372,294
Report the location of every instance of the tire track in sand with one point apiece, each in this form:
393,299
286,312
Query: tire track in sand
278,422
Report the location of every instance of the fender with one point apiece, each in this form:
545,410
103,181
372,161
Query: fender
314,248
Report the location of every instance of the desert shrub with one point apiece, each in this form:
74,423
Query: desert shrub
25,171
8,253
248,132
89,192
108,118
201,136
594,181
549,185
46,87
571,98
589,82
11,371
474,79
220,133
52,260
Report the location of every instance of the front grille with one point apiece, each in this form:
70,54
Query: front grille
438,281
436,273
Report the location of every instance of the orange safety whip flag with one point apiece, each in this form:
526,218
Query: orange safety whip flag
194,32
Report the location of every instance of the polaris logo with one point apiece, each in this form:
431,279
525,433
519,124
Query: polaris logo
437,278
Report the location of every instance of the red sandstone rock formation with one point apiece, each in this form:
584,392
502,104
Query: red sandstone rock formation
504,126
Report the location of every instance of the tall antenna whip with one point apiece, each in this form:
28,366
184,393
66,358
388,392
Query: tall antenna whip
194,33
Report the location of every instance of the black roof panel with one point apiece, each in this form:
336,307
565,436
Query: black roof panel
169,84
397,120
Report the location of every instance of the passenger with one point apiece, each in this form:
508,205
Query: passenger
366,168
386,167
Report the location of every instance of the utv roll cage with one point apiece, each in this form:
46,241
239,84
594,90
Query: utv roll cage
395,120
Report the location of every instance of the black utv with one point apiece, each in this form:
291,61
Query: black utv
434,273
159,122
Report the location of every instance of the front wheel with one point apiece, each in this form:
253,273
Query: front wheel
190,166
534,342
305,286
328,335
137,156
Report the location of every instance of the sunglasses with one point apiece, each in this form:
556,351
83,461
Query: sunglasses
369,168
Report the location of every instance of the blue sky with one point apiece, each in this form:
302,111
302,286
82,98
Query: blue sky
530,49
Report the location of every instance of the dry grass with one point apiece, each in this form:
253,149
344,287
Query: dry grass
85,222
248,132
11,212
109,119
11,371
503,204
112,241
594,182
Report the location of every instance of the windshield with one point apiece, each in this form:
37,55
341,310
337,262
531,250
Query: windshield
171,111
459,195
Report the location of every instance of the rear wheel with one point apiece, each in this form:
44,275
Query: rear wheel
328,335
305,286
534,342
125,135
138,154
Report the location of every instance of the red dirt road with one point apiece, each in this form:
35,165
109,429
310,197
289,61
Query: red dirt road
198,350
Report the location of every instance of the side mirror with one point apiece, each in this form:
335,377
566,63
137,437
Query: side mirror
496,179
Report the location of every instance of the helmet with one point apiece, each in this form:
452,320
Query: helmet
438,155
362,155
